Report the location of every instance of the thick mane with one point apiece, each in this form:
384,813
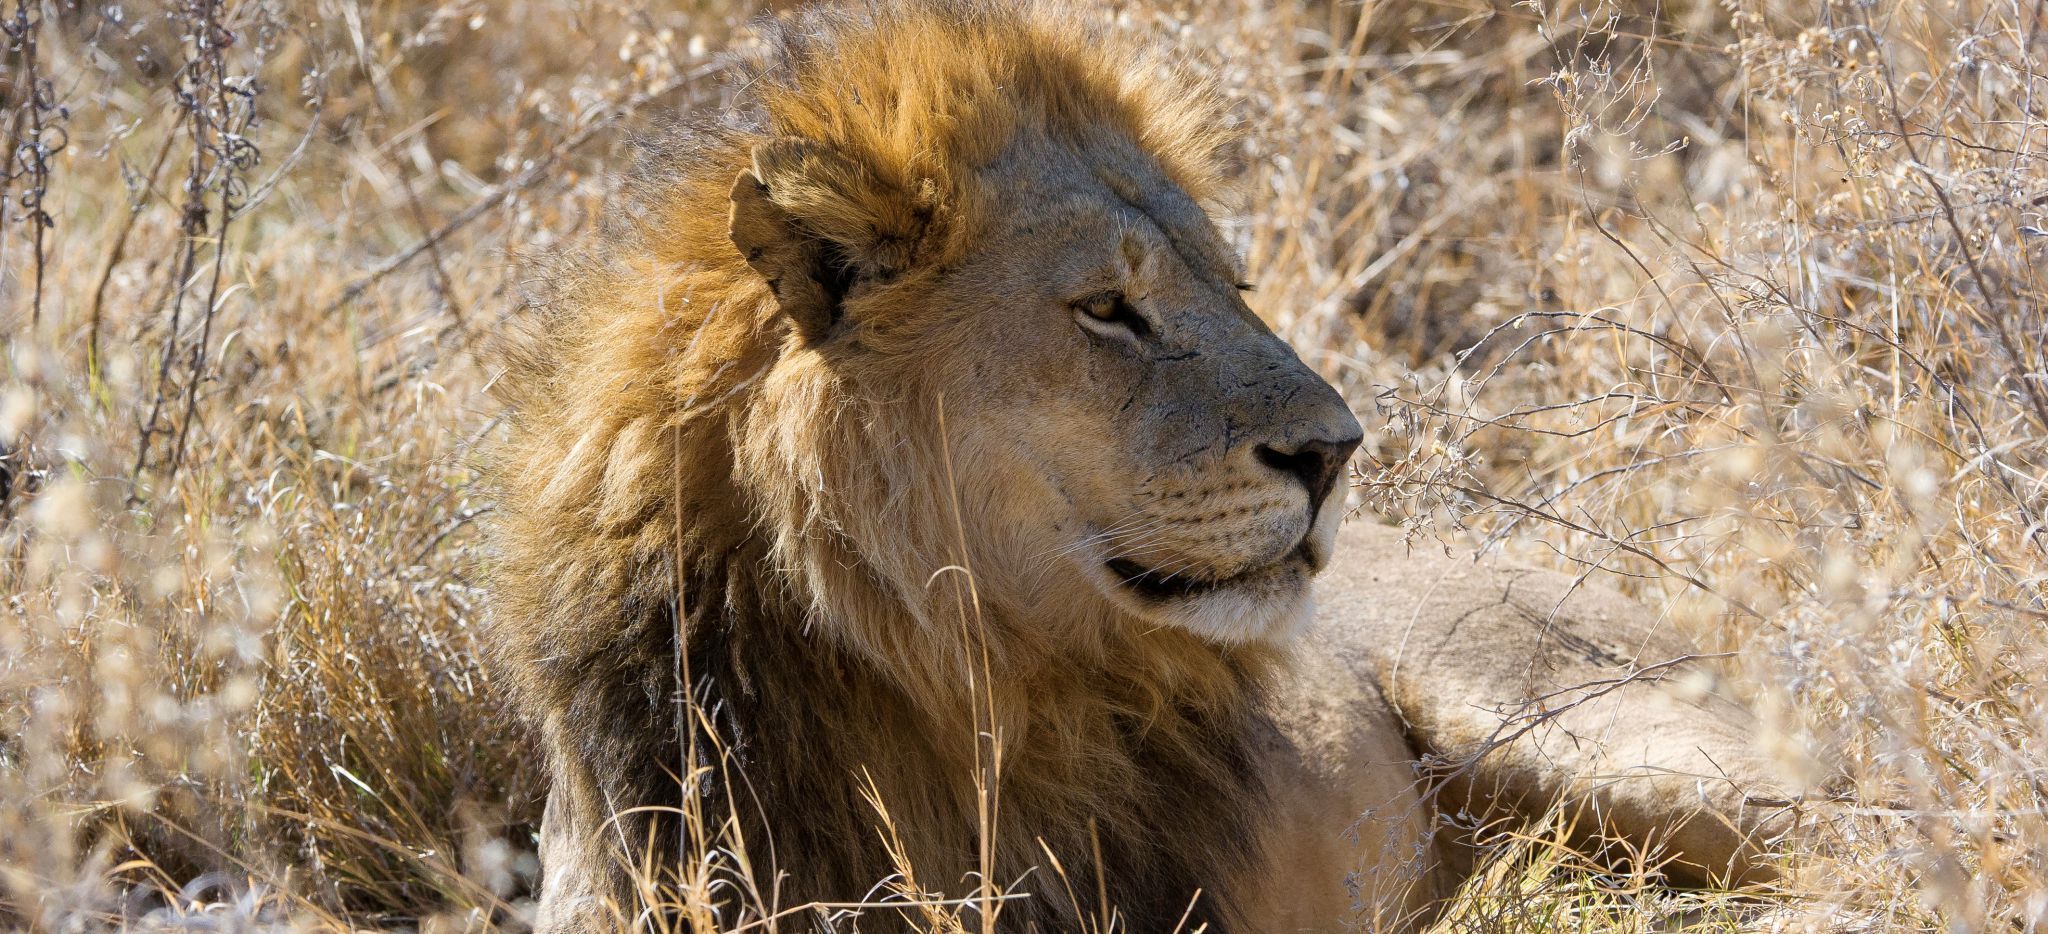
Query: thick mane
661,513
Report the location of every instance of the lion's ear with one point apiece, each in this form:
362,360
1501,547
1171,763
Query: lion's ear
808,280
814,223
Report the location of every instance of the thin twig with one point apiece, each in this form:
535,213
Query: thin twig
524,180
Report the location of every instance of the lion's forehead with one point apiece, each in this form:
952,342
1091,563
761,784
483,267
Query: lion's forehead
1085,213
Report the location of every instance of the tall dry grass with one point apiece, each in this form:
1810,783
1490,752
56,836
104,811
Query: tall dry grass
1738,307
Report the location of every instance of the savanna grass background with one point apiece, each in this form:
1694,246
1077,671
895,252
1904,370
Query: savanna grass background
1737,306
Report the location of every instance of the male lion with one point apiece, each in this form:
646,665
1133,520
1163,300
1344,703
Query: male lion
913,425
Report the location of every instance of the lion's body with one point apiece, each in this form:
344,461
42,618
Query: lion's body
808,504
1533,686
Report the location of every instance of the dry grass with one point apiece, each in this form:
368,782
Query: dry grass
1739,306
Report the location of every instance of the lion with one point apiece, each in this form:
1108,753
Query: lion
903,493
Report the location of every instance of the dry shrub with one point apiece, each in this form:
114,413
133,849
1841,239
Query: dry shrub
1736,306
238,655
1785,376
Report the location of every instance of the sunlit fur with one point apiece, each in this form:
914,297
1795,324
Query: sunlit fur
671,443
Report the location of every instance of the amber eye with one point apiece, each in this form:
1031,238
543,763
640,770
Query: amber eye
1107,312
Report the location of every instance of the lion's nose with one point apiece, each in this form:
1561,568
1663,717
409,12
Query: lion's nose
1316,463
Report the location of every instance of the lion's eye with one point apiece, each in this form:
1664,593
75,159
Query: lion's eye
1110,311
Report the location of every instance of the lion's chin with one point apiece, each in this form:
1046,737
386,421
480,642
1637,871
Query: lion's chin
1271,604
1238,618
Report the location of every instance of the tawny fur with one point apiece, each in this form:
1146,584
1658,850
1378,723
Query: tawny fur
649,466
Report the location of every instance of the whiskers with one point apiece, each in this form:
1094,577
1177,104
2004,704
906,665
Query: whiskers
1142,539
1138,538
1136,530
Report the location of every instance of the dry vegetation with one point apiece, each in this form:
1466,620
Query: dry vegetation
1738,306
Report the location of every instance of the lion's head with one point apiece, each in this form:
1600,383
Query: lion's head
952,308
1027,354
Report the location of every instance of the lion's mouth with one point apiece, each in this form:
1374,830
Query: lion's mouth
1154,584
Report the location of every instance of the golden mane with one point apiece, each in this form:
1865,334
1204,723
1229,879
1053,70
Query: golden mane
625,379
641,527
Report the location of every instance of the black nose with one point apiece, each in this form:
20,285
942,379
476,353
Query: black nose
1317,464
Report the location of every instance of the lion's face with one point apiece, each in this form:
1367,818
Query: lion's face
1120,429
